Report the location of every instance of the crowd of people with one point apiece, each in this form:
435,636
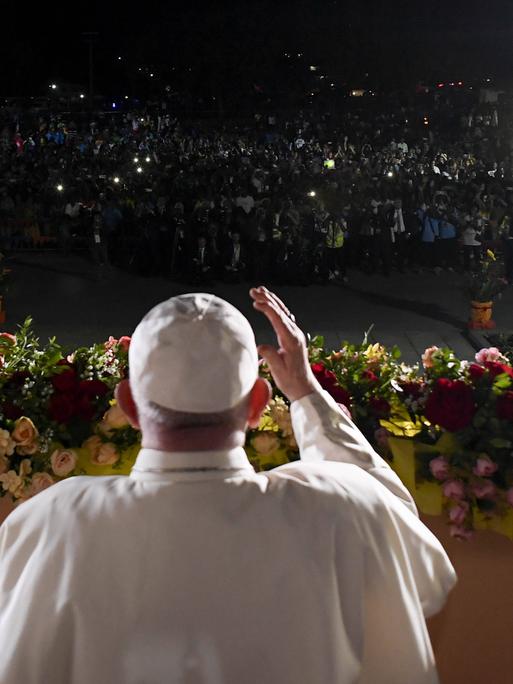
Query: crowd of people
283,198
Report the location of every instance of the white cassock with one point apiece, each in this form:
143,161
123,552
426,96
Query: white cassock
318,572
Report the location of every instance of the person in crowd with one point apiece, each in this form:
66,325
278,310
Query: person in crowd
195,566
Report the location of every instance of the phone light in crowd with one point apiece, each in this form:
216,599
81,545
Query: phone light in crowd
390,174
426,121
53,86
60,188
82,96
139,169
136,160
113,105
126,97
142,120
151,75
148,159
312,193
116,179
440,85
119,59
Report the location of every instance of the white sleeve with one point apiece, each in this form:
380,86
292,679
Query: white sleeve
325,433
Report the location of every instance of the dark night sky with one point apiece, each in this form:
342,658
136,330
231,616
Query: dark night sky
390,38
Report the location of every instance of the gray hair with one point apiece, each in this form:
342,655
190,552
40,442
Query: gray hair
170,419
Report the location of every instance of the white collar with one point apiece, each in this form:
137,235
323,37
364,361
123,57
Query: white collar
155,464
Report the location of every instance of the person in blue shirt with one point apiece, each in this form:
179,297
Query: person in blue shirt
446,248
429,232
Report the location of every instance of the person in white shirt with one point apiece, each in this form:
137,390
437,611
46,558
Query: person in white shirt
198,569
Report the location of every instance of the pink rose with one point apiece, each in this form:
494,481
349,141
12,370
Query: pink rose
460,532
107,455
458,513
40,481
124,342
427,357
484,467
484,490
509,496
63,462
439,467
454,489
490,354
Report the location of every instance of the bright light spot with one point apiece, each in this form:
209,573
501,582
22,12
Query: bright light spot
440,85
299,54
148,159
390,174
139,169
116,179
136,160
312,67
53,86
488,80
119,59
332,85
113,105
142,120
312,193
60,188
82,96
126,97
151,75
460,83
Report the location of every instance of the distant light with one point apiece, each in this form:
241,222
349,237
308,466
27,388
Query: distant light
141,120
299,54
82,96
60,188
390,174
148,159
116,179
151,75
488,80
126,97
451,84
460,83
332,85
113,105
53,86
139,169
312,67
139,69
136,160
440,85
119,59
312,193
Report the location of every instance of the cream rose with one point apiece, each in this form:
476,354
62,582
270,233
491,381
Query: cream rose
113,419
427,357
4,464
265,443
28,450
281,416
12,483
40,481
107,455
25,432
6,444
93,444
63,461
25,467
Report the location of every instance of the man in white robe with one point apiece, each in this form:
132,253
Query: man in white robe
195,569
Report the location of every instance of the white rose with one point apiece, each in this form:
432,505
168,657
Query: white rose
265,443
63,462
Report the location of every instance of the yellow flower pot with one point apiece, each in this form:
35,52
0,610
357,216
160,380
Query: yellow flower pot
481,316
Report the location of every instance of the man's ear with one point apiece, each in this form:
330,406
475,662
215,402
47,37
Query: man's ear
126,402
259,398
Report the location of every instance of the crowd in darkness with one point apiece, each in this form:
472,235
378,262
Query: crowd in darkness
289,199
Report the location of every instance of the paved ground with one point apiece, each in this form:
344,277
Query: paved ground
68,298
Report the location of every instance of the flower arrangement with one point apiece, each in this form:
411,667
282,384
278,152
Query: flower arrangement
446,426
487,280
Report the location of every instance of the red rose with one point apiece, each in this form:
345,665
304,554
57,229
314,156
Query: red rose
61,407
17,379
451,405
92,388
504,406
412,389
11,411
476,371
379,407
495,368
369,376
85,409
328,381
66,380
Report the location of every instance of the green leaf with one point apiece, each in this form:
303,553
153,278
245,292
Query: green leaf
500,443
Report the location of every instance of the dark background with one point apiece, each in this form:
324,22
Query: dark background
239,43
